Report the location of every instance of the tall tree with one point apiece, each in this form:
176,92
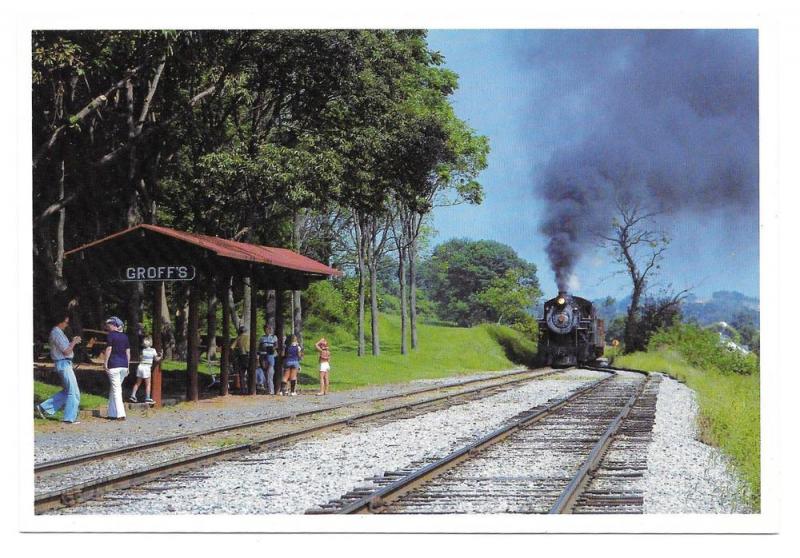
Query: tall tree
459,270
639,248
441,157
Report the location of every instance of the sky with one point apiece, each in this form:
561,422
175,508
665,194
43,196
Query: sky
550,101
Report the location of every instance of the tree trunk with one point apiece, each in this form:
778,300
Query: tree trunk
193,355
133,217
158,345
297,316
401,277
75,321
62,215
54,295
211,322
134,310
224,366
291,313
232,308
246,304
300,217
252,361
361,294
167,331
270,316
280,333
412,294
372,264
180,323
631,323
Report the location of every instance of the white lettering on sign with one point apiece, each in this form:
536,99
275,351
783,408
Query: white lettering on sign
158,273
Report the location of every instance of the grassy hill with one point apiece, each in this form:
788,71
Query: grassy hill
443,351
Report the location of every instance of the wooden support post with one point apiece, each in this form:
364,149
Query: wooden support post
155,382
280,333
269,316
253,360
193,354
225,360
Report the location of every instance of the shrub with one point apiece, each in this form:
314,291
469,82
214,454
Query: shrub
527,326
702,348
325,302
518,348
336,334
388,303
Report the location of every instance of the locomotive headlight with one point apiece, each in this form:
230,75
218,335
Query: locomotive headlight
561,301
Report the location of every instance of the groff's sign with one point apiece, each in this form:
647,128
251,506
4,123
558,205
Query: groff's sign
157,273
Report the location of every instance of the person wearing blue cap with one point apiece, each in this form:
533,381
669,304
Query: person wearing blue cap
117,357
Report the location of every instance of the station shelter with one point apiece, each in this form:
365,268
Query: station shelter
154,254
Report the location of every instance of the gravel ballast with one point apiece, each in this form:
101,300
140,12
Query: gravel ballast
55,440
135,459
299,476
683,474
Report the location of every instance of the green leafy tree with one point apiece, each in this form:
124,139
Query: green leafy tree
460,269
509,300
615,329
750,335
442,158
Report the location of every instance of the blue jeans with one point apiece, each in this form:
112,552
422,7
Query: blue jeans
69,397
268,365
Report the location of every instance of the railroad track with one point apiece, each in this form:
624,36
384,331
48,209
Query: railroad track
583,453
250,438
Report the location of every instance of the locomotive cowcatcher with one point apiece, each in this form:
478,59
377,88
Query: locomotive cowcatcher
570,332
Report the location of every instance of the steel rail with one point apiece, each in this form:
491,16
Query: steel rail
572,491
638,371
374,501
107,453
77,493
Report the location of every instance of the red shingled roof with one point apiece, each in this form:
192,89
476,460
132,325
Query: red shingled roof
278,257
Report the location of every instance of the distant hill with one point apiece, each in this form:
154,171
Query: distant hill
723,306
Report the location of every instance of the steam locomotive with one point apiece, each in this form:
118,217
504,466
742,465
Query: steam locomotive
570,332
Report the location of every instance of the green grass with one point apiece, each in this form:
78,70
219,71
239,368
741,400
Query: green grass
42,391
443,351
729,409
516,346
179,367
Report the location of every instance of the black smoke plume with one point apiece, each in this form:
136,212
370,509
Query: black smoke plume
667,120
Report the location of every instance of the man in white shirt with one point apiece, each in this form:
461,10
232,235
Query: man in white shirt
266,356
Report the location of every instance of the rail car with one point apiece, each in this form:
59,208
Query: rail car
570,332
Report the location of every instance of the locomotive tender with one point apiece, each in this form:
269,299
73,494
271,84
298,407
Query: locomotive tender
570,333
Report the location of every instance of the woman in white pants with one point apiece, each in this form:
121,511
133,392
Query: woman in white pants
117,357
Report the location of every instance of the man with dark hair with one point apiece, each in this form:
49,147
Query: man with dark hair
61,351
266,355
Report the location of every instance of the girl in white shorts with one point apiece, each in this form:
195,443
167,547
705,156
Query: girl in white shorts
143,371
324,366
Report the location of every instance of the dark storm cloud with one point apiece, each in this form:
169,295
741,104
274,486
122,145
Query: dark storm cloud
668,119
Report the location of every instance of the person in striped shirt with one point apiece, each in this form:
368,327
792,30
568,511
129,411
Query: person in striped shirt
69,398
